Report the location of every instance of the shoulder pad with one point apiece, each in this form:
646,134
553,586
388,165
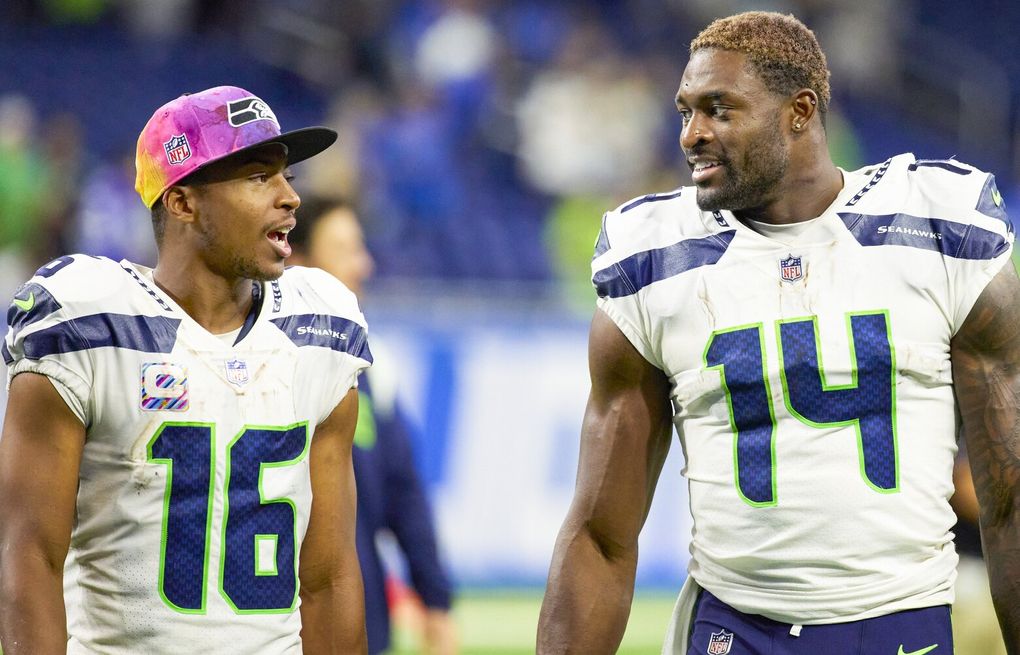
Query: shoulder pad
655,237
316,309
316,291
80,284
933,188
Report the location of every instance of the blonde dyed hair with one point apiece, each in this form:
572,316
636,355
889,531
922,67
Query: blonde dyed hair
782,50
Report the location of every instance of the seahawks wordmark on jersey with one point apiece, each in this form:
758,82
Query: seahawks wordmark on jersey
194,486
811,380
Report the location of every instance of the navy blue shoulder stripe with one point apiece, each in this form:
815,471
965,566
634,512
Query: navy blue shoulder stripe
632,274
325,331
151,334
957,240
651,197
990,202
32,302
944,164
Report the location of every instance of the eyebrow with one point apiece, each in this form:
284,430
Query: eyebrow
711,95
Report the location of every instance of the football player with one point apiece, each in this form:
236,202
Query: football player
183,434
814,335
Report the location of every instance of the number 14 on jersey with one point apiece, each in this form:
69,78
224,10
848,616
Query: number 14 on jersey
868,402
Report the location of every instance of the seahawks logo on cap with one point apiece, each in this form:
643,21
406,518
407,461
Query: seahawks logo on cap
248,110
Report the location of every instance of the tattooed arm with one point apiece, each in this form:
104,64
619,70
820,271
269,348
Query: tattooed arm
986,372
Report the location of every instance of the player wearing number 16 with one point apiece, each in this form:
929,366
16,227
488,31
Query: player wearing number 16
183,434
815,335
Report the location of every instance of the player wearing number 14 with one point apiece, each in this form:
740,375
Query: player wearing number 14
814,335
183,434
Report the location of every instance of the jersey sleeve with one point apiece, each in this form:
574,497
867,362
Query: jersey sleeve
613,270
976,234
44,337
335,324
945,206
994,231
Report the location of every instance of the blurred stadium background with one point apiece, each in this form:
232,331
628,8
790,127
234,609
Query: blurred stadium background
481,141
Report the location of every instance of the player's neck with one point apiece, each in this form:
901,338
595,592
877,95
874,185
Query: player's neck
217,304
808,189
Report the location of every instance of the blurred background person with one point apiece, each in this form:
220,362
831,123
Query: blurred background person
391,496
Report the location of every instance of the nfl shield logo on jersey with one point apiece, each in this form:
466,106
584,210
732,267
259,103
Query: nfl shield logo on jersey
720,643
237,372
178,150
790,269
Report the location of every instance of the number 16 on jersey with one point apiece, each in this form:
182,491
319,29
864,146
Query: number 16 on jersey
258,551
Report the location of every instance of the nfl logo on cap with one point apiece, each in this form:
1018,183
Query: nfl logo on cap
177,149
790,269
719,643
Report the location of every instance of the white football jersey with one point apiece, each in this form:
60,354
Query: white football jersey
811,381
194,489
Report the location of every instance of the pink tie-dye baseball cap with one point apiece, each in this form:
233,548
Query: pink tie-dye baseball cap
196,129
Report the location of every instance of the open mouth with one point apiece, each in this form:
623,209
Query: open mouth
279,240
702,170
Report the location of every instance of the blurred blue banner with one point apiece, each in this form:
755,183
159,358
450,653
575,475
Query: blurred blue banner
500,404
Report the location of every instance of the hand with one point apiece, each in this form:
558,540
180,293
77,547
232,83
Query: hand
439,633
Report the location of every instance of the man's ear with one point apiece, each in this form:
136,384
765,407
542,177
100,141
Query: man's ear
804,107
180,203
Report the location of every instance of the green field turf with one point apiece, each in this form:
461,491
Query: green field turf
504,623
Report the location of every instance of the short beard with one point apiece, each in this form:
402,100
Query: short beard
247,268
233,264
752,183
